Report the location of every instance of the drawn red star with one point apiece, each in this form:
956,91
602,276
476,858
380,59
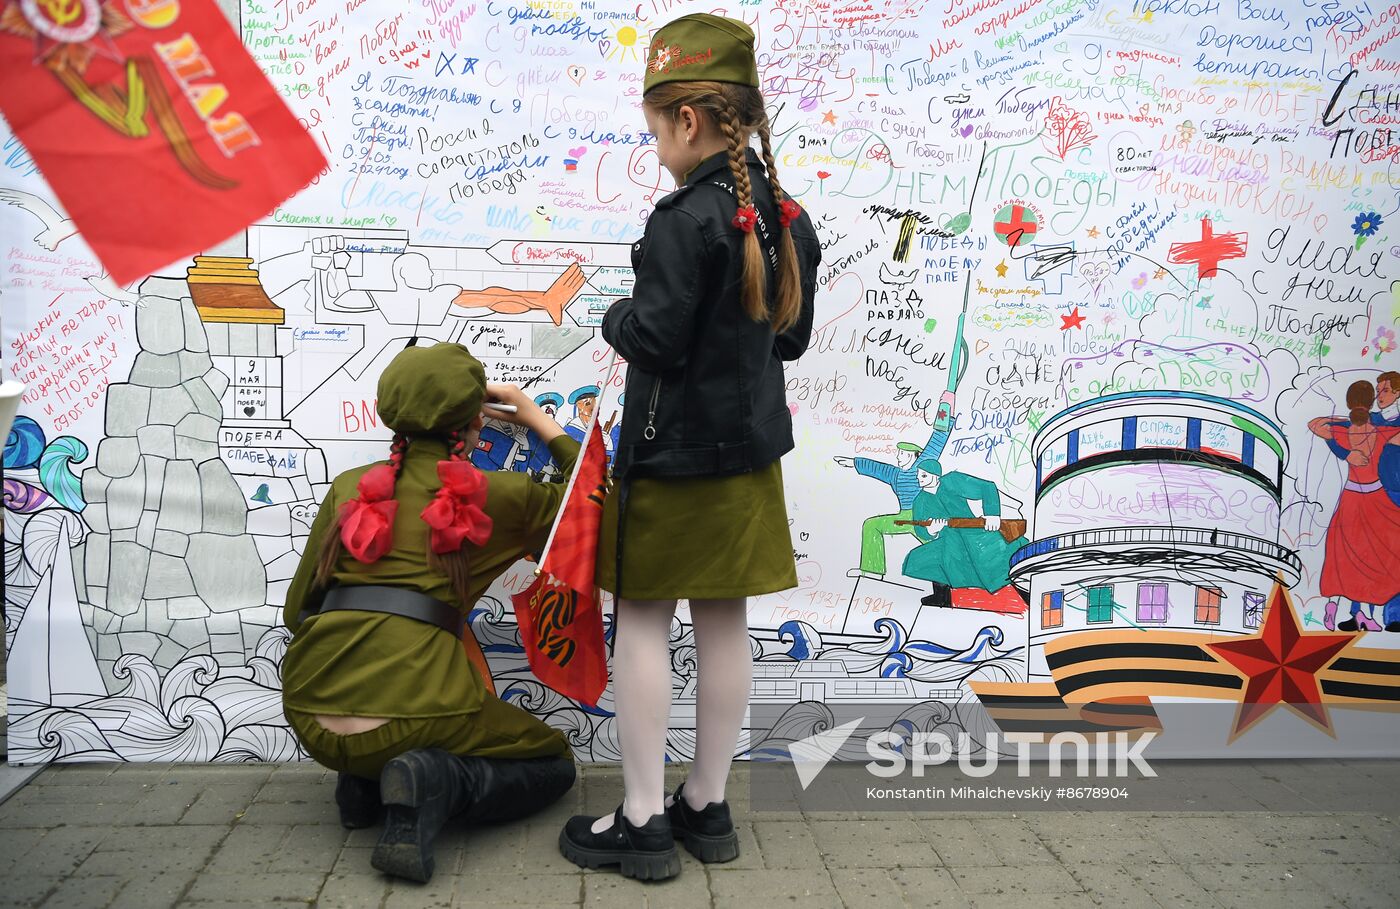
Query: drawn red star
1073,320
1280,665
830,117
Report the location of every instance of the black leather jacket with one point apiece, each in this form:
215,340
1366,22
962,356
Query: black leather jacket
705,388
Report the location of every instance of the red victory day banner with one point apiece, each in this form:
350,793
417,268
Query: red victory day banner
157,131
560,618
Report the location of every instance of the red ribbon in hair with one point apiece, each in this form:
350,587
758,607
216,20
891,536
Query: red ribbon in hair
455,513
367,522
745,218
788,212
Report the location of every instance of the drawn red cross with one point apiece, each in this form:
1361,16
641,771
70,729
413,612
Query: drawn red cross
1016,228
1209,251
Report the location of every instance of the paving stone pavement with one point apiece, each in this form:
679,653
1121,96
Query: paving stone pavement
207,836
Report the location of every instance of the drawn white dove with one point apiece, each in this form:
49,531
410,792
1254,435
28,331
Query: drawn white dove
57,227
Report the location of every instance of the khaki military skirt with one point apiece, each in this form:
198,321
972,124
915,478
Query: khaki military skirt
709,538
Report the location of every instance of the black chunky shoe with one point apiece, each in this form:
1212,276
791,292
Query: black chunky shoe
421,790
707,834
358,801
1348,625
647,853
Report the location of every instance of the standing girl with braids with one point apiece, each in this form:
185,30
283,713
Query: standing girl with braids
725,278
376,682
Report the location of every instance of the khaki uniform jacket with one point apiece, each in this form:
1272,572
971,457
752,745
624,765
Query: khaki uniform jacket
349,663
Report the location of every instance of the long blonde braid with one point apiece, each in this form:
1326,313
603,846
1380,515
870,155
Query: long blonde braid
788,299
755,273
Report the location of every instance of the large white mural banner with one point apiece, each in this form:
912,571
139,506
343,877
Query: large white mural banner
1127,271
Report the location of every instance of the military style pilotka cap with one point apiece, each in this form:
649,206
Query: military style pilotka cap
431,389
701,48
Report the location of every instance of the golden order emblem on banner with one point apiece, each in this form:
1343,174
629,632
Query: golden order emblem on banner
66,21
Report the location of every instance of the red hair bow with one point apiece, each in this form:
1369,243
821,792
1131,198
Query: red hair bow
455,512
745,218
788,212
367,522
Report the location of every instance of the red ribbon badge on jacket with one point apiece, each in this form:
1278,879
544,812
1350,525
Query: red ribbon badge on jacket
455,513
367,522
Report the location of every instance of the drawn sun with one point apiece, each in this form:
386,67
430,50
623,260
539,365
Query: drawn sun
626,43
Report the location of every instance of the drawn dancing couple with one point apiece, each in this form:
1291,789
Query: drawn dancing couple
377,683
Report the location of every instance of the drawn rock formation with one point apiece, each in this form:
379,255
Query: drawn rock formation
169,569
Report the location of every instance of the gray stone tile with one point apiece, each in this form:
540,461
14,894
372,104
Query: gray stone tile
192,839
264,813
248,849
62,850
1171,886
920,887
1253,899
361,889
1027,879
1107,850
76,774
218,805
141,863
15,842
866,887
810,889
1112,886
441,891
1013,841
311,847
604,890
83,892
887,843
1205,839
30,888
957,842
787,845
1358,886
264,887
1231,876
1019,900
161,892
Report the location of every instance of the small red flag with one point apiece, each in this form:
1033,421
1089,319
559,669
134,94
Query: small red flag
154,127
560,618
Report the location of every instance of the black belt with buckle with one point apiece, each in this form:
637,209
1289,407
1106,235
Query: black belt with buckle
394,601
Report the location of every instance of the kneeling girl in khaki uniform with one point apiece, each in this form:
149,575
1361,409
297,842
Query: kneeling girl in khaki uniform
376,681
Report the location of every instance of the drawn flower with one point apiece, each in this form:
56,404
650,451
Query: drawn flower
1384,341
1365,225
1140,281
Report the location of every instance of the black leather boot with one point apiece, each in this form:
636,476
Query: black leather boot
358,801
421,790
707,834
511,788
647,853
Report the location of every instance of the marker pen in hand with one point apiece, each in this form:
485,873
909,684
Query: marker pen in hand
503,408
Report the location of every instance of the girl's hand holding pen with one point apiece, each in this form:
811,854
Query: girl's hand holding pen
509,404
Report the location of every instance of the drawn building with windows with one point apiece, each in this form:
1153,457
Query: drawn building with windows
1153,510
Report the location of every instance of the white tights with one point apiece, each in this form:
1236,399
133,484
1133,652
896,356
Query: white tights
642,697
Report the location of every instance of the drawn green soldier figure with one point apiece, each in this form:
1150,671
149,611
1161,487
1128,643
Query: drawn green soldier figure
959,548
902,475
902,478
